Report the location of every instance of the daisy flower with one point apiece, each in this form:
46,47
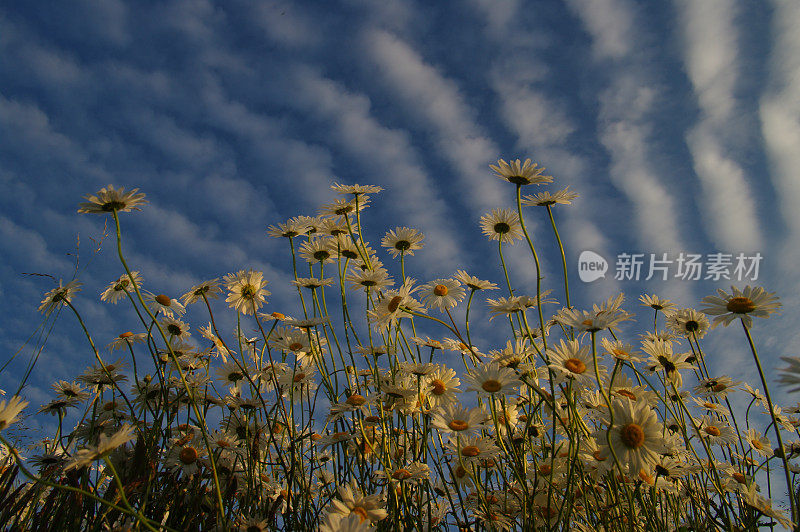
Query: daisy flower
514,353
70,390
313,224
336,227
418,369
55,297
573,362
211,289
712,407
175,328
428,342
291,228
790,375
758,442
343,207
246,292
105,444
662,358
97,375
317,250
340,523
656,303
635,437
457,419
505,306
473,283
545,199
117,290
442,293
375,279
744,304
688,322
413,473
492,379
351,500
441,387
506,415
126,339
355,189
109,199
473,449
520,173
9,410
502,224
390,307
716,432
716,387
620,350
57,406
232,372
591,321
402,240
164,304
299,381
184,458
344,247
311,282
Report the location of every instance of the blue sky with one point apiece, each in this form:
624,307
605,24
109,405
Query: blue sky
678,123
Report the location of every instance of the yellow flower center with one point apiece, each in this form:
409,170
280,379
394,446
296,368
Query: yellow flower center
599,457
163,300
394,303
188,455
714,431
440,290
757,444
632,436
401,474
295,346
470,451
360,512
574,365
439,387
356,400
502,228
299,376
491,386
126,334
458,424
738,477
740,305
627,393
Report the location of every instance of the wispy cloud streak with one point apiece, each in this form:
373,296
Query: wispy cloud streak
711,47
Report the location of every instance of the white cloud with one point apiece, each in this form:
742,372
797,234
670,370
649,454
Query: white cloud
436,103
711,47
388,157
611,23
